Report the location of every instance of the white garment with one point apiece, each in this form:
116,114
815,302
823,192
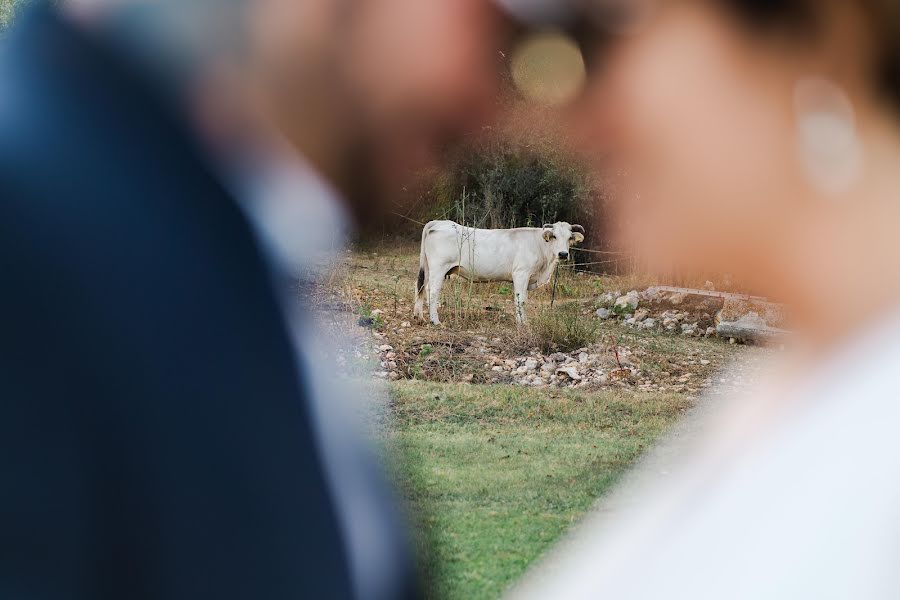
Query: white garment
801,503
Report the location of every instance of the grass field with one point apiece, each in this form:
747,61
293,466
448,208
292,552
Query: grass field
498,473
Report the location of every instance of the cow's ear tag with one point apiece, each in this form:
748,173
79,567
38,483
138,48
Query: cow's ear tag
548,235
577,237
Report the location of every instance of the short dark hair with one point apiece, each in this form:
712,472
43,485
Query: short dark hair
802,17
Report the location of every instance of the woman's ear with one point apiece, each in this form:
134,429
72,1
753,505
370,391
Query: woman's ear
548,234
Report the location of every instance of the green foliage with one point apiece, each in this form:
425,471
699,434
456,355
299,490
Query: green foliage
567,291
368,318
503,182
622,309
563,328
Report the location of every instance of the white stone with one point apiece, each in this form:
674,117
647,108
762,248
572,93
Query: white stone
629,302
570,372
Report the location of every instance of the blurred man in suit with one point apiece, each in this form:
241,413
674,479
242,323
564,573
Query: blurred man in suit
160,432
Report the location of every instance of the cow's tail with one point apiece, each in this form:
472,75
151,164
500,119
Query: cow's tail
419,310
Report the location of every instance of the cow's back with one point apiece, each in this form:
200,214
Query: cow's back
481,254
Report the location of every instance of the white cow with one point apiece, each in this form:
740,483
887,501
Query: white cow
526,256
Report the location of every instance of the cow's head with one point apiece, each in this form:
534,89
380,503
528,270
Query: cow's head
561,236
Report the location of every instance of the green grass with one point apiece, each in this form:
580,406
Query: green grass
496,474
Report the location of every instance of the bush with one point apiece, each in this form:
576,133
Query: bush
501,182
561,329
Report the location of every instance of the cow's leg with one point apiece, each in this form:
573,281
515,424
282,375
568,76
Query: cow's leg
421,294
435,283
520,291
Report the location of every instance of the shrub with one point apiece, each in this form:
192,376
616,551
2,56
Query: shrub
560,329
502,182
369,318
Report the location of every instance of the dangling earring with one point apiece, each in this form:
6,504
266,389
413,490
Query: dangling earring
827,139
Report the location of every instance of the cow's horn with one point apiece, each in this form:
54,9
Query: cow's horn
548,226
578,228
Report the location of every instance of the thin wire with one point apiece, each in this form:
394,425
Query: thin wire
599,251
407,218
588,264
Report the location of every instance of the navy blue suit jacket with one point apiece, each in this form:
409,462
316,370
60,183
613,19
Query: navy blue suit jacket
155,440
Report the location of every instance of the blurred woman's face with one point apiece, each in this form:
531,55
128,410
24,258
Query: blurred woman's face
695,116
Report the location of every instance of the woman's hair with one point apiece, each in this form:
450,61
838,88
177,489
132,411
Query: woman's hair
803,17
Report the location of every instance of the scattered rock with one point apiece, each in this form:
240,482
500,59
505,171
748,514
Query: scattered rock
627,303
569,372
608,298
649,323
750,327
602,313
688,329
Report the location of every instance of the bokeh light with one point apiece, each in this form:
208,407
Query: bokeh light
548,67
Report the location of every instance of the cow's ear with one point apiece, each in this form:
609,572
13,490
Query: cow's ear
548,235
577,238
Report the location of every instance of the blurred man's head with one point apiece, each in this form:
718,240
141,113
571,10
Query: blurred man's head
367,90
373,88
